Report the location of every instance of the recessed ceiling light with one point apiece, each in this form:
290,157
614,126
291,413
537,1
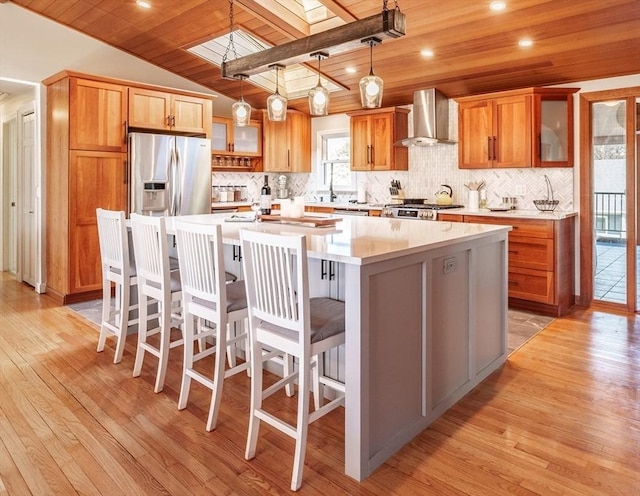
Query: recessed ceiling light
143,4
350,70
426,52
525,43
497,5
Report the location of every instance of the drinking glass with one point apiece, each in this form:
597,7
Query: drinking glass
255,206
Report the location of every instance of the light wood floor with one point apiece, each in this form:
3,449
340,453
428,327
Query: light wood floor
562,417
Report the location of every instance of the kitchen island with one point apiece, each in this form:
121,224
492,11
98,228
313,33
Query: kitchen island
426,319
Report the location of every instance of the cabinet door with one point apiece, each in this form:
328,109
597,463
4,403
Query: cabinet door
275,153
247,140
475,129
96,179
221,135
190,114
381,142
553,145
360,143
512,132
299,140
97,116
149,109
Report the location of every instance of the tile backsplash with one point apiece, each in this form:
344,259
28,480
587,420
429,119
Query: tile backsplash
429,168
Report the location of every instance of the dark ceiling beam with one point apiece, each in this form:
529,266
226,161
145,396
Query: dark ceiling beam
388,24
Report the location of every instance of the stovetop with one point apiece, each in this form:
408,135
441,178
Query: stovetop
430,206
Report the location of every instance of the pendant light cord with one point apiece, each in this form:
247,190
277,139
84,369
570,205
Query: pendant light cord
231,45
371,58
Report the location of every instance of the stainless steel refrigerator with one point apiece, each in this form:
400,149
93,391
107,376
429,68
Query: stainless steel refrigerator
170,175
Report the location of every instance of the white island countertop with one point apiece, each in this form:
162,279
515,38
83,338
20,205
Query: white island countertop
357,240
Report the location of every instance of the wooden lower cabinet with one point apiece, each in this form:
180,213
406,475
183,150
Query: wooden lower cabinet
450,217
541,262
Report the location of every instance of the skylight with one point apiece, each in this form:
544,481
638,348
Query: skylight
295,80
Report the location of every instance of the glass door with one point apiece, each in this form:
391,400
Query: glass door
608,141
611,202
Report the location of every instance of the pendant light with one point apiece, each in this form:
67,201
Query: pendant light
276,103
240,110
371,86
319,96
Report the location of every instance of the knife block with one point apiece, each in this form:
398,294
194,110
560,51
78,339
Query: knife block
398,199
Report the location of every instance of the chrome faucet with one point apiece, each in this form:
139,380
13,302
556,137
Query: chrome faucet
332,195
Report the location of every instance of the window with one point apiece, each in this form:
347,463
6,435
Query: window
335,163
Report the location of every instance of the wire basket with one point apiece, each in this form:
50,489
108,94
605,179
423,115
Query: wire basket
548,205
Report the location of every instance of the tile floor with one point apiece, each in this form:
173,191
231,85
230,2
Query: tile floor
611,272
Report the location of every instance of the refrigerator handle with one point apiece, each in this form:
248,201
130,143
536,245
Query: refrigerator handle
172,185
177,182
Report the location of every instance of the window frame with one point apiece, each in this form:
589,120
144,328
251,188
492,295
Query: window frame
323,163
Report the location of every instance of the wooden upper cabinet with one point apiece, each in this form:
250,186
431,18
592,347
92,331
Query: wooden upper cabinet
520,128
240,141
553,127
164,111
287,145
374,134
97,115
495,133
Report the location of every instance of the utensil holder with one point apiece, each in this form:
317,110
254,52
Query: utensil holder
473,202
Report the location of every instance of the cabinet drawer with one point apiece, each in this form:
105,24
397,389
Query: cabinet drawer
521,227
532,253
529,284
450,217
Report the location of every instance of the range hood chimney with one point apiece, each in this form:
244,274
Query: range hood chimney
430,119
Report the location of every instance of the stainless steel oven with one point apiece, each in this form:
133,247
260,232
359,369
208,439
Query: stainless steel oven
415,209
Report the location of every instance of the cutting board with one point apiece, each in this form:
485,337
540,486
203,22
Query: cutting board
306,220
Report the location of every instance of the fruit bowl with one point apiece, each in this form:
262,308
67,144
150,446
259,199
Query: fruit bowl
546,205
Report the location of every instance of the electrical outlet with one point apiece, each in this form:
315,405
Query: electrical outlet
449,265
521,190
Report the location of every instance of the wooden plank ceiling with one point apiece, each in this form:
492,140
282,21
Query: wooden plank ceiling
475,50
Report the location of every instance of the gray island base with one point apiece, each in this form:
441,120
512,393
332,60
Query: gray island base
426,313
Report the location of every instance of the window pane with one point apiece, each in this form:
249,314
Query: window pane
341,174
337,148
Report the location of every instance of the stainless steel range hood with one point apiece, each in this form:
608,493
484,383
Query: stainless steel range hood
430,119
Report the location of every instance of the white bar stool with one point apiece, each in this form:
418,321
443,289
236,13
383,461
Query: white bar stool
119,269
210,307
156,282
283,317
